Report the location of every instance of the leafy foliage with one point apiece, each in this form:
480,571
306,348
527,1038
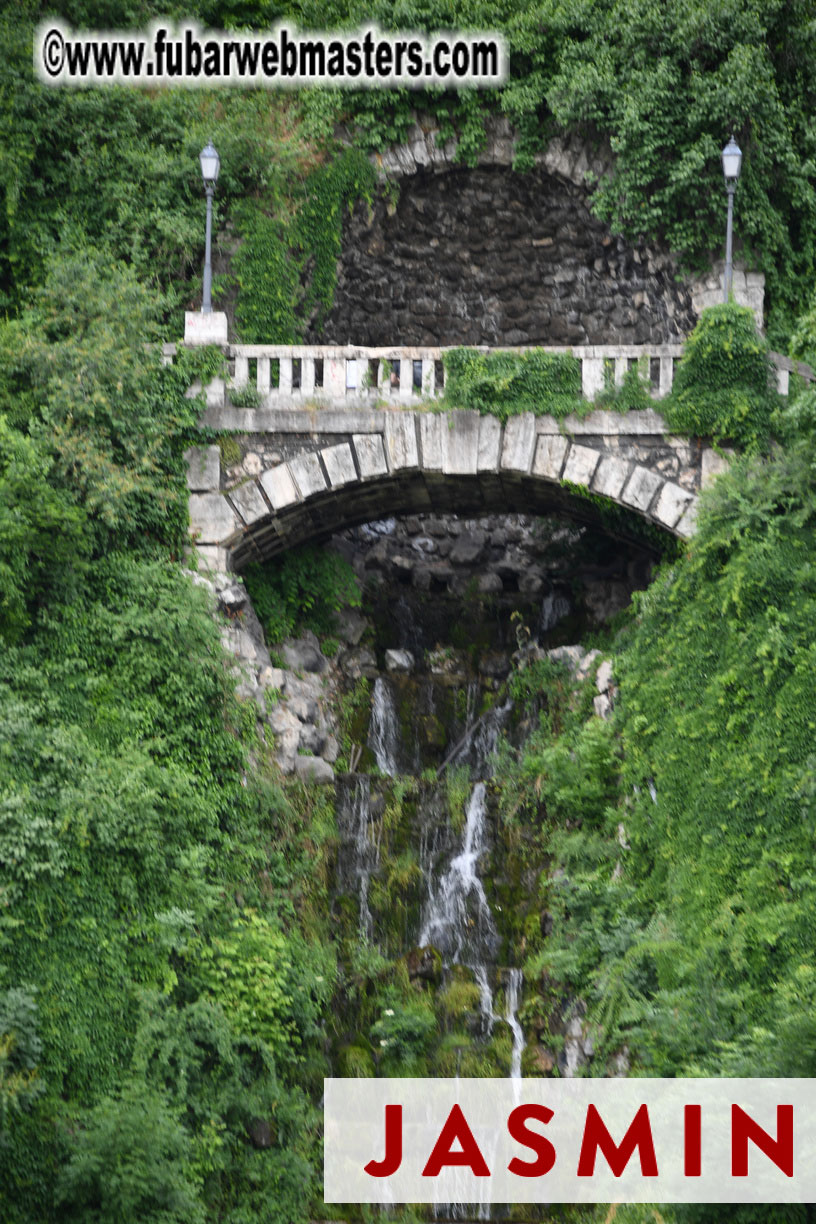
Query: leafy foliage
305,587
722,389
506,383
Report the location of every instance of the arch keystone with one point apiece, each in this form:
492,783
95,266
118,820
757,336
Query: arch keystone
370,455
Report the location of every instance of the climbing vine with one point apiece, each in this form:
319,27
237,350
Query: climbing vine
723,387
286,265
506,383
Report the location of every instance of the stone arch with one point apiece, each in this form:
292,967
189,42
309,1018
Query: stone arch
452,255
458,462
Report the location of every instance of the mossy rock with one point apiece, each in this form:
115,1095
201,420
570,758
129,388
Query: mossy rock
356,1062
424,964
459,999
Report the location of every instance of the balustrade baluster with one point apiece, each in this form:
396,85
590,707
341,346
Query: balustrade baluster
241,375
264,381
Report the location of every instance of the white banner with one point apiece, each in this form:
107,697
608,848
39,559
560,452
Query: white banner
570,1141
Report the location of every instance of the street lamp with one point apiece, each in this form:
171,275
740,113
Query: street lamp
732,163
210,165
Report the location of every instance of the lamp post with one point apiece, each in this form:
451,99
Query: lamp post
731,163
210,165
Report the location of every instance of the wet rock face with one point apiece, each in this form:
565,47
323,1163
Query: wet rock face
492,257
554,568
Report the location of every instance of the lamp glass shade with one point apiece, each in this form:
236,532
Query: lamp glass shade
210,163
731,161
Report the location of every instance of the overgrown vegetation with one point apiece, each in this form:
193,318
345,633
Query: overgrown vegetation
146,891
682,832
169,999
506,383
724,387
303,588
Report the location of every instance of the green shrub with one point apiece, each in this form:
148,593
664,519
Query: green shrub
723,387
301,590
503,384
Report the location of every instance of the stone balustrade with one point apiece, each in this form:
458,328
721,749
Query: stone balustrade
399,374
288,374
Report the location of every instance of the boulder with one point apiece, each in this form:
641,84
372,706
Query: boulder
303,654
350,625
399,661
425,964
232,599
331,749
468,548
313,769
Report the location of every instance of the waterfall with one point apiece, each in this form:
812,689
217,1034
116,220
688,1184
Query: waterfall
457,919
383,731
478,744
366,851
512,993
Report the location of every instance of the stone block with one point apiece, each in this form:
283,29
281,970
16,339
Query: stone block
581,464
279,487
339,463
370,455
307,474
713,463
400,441
603,679
205,328
671,503
203,469
460,444
212,518
247,500
549,456
519,443
610,476
640,488
490,435
212,558
688,523
431,426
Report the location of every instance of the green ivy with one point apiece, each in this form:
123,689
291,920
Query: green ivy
286,265
301,590
723,389
504,384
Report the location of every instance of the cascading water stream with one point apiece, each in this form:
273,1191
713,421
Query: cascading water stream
383,731
512,992
457,919
366,851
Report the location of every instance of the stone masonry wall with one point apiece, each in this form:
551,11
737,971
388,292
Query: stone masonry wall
490,256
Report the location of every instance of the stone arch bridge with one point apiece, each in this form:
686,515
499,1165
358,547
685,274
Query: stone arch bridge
340,436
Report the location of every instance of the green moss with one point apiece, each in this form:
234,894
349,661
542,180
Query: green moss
229,449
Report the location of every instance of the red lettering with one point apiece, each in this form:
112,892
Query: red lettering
456,1129
639,1135
692,1149
519,1130
779,1150
392,1159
